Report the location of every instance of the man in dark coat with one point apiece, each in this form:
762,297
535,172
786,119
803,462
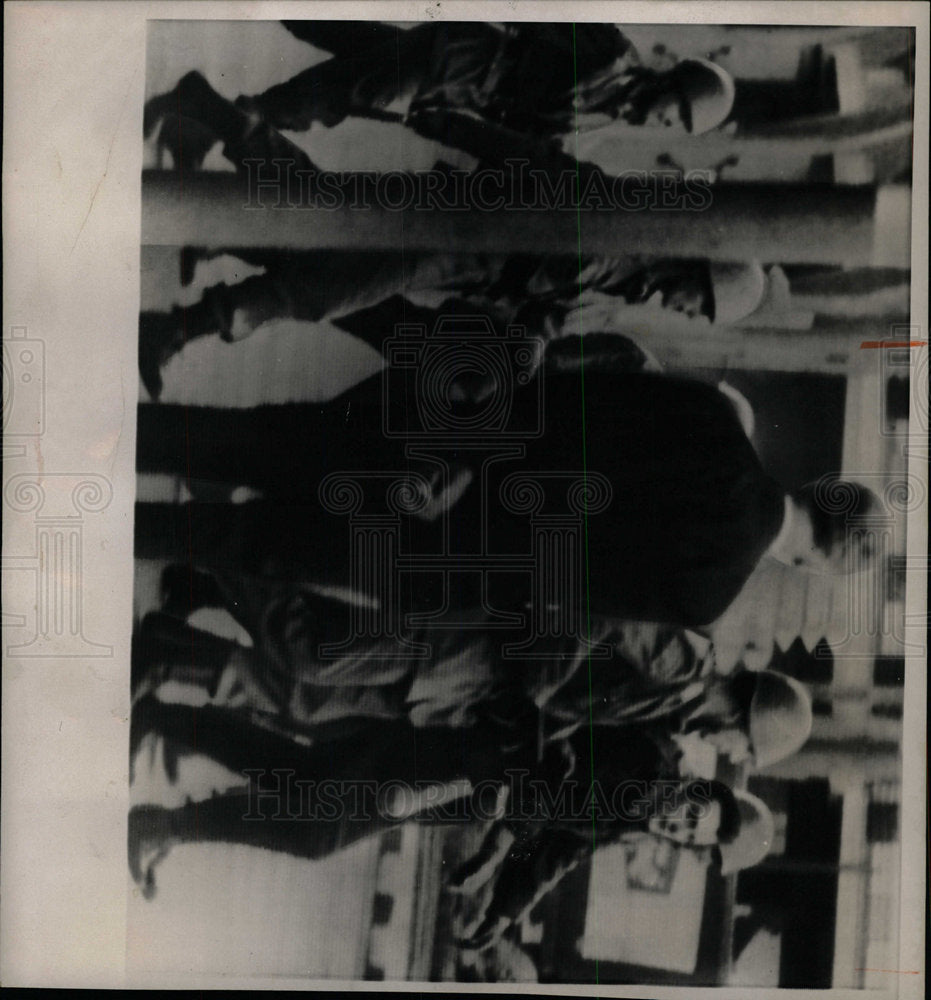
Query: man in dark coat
687,513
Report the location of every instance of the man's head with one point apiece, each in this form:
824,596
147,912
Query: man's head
703,813
701,96
695,96
827,531
722,292
682,285
754,717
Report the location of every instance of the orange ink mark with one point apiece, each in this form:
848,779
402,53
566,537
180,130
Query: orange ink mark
873,344
897,972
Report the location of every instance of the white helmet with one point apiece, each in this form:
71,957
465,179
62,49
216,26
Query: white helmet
738,290
753,842
780,717
709,90
744,411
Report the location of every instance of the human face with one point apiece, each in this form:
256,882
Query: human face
685,295
690,823
664,113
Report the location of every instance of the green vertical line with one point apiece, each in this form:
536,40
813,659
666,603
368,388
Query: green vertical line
588,610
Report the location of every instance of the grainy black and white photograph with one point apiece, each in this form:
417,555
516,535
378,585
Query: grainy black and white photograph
523,470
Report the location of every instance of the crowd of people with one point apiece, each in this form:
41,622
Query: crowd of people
631,696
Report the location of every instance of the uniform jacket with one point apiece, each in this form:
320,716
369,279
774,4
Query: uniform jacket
547,849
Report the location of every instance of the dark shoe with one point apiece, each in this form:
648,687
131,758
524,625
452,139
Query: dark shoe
148,842
192,98
188,141
185,590
160,338
190,258
148,719
174,650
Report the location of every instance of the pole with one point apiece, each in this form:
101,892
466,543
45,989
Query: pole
770,222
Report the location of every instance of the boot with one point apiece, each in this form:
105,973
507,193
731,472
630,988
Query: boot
187,140
163,335
170,649
185,590
149,840
160,338
193,98
147,717
189,259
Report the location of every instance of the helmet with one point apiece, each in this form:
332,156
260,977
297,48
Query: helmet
780,717
741,406
738,290
709,90
755,838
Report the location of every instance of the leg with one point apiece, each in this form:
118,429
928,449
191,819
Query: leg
281,449
362,77
263,819
247,539
385,750
244,136
168,649
171,650
309,287
343,38
185,590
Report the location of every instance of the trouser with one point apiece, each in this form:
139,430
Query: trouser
326,285
308,801
284,450
343,38
384,750
396,65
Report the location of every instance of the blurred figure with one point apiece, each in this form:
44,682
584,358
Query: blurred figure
532,86
369,294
